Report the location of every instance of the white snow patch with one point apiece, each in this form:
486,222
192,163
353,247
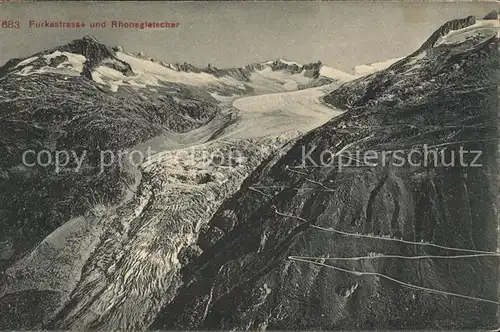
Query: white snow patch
363,70
108,76
336,74
151,73
269,81
71,67
481,27
281,112
25,62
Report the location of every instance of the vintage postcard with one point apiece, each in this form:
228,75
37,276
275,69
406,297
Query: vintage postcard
236,165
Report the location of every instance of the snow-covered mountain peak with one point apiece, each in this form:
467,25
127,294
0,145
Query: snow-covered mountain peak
452,32
480,28
79,57
367,69
113,68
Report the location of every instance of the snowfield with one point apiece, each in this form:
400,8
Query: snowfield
117,264
276,105
481,27
254,117
270,114
73,66
336,74
151,73
363,70
182,189
265,80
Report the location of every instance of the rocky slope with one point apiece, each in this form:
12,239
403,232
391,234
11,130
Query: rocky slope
66,111
88,245
51,102
265,261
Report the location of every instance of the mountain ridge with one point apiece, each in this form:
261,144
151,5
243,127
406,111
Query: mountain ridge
96,54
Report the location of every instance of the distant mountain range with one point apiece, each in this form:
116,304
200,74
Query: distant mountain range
114,69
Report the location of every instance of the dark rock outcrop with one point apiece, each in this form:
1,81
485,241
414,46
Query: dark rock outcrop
94,52
493,15
56,61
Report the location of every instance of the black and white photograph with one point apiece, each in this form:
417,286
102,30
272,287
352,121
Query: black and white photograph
249,166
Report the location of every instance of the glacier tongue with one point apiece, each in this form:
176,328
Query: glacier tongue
134,272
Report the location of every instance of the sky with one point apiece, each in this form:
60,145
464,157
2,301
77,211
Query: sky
229,34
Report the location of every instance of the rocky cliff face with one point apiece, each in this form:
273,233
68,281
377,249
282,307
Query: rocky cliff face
266,257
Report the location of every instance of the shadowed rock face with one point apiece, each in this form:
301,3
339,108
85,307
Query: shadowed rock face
445,97
493,15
